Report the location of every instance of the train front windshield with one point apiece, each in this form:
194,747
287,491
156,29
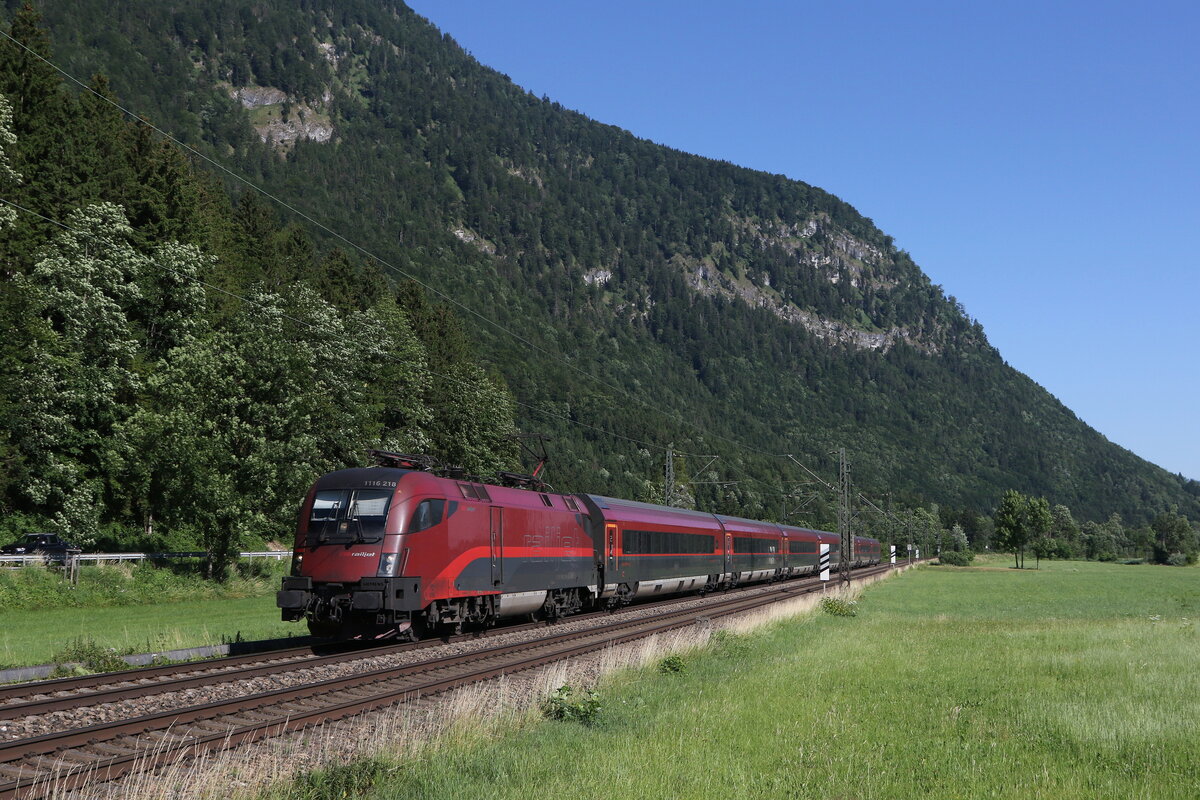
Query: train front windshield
344,516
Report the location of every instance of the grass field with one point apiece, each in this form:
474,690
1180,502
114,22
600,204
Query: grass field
34,636
1078,680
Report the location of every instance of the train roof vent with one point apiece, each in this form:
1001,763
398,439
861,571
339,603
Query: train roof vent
474,491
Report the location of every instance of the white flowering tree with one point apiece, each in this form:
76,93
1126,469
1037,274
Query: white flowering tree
82,380
8,175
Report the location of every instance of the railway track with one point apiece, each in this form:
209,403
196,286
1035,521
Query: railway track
42,697
68,759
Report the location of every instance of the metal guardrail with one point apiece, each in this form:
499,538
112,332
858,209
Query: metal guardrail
98,557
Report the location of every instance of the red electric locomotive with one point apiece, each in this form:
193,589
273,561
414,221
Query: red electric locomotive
397,550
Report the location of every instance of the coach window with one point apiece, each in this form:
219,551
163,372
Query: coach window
428,514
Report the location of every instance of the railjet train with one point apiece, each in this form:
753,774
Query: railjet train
398,551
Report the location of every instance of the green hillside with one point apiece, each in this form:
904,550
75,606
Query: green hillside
630,294
175,370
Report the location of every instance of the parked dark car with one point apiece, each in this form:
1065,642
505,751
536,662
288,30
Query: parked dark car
50,545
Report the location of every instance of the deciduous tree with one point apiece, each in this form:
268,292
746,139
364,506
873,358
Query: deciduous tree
1019,520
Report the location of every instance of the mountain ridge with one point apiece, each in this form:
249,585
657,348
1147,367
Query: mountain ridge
757,305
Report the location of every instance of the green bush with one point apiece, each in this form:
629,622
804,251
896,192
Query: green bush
127,583
118,539
91,656
956,558
672,665
839,607
1178,560
573,705
349,780
14,525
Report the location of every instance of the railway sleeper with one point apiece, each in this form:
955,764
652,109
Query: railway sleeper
166,736
110,748
251,719
18,772
79,758
51,763
299,707
208,727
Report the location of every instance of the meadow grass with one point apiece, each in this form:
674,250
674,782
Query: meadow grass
1078,680
34,637
133,609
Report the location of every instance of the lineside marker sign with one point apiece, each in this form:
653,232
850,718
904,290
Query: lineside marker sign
824,562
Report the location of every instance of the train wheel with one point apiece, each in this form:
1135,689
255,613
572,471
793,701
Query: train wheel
418,629
323,629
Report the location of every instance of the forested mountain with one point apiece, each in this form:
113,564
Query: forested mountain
631,295
176,369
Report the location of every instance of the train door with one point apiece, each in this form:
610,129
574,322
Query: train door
496,542
610,545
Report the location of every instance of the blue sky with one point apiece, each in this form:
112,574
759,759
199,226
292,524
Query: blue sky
1039,160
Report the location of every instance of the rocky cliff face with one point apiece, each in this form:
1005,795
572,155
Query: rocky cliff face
281,120
708,281
862,262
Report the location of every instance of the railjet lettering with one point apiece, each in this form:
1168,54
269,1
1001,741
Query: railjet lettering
362,555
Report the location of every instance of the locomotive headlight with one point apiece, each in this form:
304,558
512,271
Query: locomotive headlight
297,561
387,565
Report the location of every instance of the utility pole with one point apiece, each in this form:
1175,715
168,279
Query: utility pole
669,480
908,535
844,517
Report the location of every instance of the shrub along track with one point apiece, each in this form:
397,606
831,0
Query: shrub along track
68,759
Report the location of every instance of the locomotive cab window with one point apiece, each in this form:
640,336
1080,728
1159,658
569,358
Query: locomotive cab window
428,514
325,506
348,515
